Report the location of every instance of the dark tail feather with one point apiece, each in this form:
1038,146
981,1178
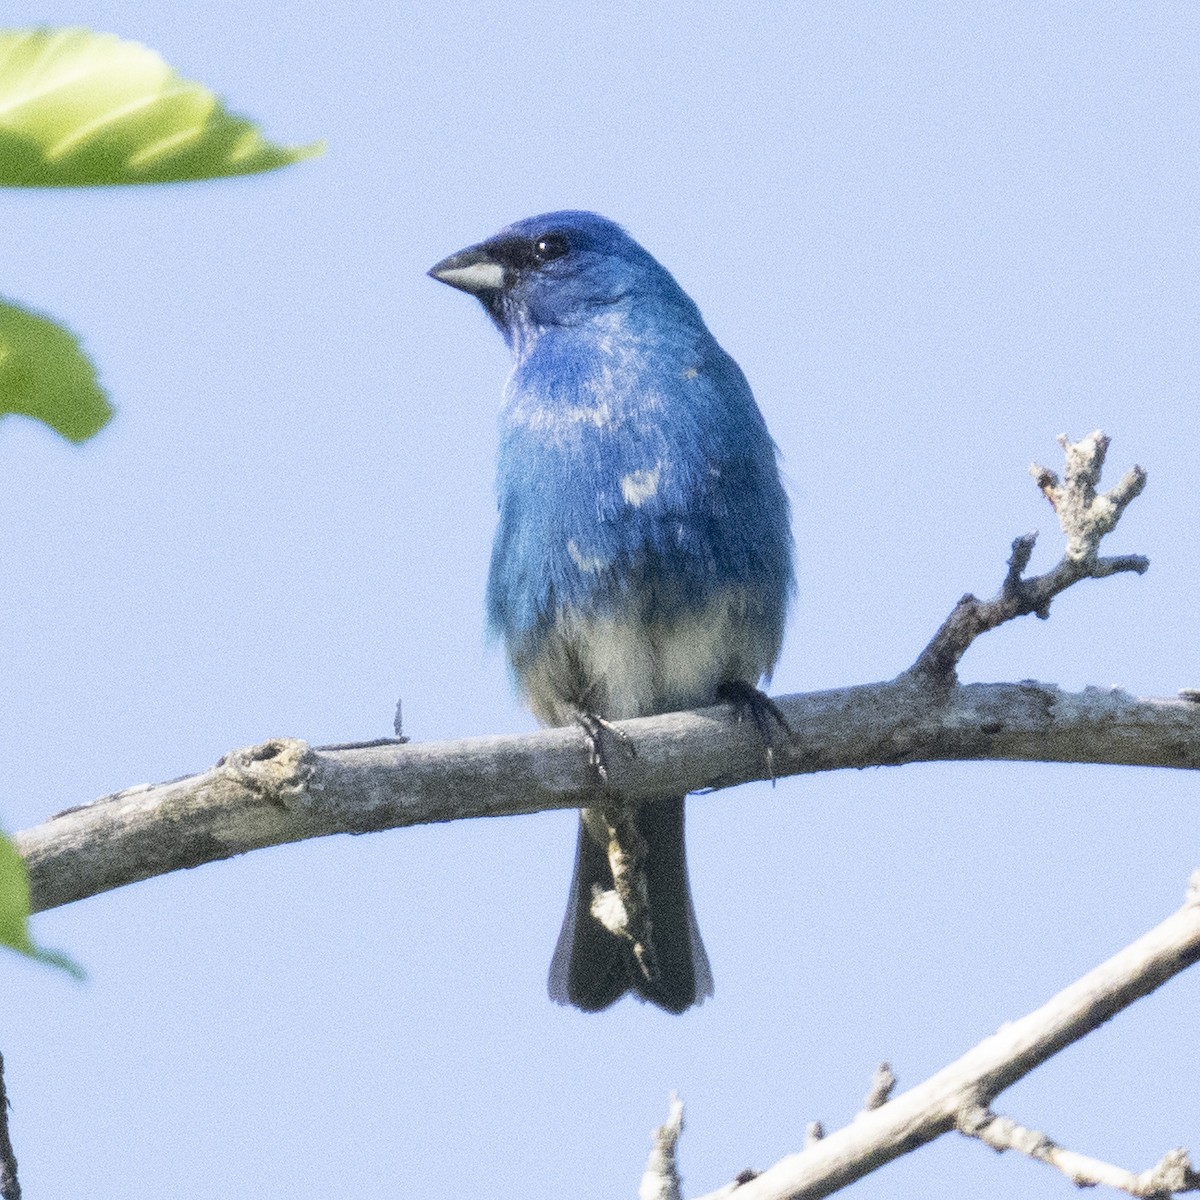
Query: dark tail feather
591,967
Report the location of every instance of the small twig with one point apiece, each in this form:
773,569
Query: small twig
10,1187
368,745
1085,517
813,1133
660,1181
1170,1176
882,1083
397,728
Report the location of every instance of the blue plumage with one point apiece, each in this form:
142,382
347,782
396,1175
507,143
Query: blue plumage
643,555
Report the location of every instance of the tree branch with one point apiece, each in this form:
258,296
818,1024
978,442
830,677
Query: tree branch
286,790
1085,518
958,1096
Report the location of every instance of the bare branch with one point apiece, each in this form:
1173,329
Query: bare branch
958,1092
1085,518
285,790
1170,1176
10,1187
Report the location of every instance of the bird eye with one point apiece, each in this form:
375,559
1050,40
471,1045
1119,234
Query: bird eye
550,247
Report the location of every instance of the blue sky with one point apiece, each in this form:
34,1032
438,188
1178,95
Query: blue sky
934,236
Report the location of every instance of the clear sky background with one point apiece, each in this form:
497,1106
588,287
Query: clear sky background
934,236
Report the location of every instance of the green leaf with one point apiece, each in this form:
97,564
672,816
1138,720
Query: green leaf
79,108
44,374
14,912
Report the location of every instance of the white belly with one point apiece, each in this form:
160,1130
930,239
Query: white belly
630,668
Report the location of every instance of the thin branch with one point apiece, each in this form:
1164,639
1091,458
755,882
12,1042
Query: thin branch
1170,1176
950,1098
1085,517
10,1187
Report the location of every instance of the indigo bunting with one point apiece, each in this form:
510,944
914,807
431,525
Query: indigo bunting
642,562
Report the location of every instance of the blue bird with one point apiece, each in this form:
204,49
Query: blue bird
643,558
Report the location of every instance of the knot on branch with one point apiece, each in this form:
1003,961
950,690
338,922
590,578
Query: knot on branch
278,770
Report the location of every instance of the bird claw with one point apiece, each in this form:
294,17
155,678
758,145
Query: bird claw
748,701
594,726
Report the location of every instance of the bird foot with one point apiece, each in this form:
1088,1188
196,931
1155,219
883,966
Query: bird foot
748,701
594,727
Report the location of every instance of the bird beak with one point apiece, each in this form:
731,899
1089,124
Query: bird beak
472,270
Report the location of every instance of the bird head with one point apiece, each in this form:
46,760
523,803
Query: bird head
561,268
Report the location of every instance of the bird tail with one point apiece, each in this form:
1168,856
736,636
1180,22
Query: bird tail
593,967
